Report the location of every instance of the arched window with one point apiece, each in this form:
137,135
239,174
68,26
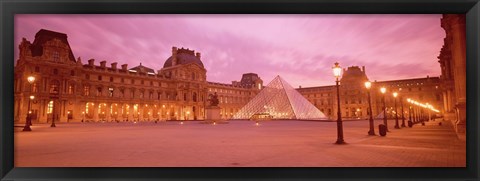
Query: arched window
71,88
99,91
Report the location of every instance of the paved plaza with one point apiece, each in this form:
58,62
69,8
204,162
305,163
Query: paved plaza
237,144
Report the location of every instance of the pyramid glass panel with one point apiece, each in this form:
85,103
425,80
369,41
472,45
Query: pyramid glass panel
281,101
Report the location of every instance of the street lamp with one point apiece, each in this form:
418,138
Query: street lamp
383,90
28,119
395,94
409,113
337,71
368,85
403,116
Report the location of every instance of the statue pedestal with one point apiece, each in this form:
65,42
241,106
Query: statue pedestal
212,114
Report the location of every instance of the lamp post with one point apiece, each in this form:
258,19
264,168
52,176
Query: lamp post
428,109
395,94
28,119
337,71
403,116
383,90
368,85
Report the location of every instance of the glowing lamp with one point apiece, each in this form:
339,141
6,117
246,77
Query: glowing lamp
337,70
383,90
368,84
31,79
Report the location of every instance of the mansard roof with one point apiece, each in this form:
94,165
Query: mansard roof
43,36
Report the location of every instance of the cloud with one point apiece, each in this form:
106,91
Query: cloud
300,48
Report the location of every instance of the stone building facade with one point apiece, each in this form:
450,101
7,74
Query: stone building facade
68,90
353,94
452,61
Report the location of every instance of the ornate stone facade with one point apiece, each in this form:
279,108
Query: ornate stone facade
452,61
353,94
70,91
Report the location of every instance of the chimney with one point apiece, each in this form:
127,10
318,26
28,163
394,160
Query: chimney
299,86
102,64
198,55
124,67
91,62
363,69
114,65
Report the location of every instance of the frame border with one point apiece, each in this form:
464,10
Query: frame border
9,8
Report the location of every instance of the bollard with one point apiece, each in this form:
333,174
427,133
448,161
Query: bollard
423,123
440,123
410,124
382,130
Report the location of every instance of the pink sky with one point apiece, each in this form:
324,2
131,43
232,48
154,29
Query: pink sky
299,48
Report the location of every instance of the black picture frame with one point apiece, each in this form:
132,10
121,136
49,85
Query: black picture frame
8,8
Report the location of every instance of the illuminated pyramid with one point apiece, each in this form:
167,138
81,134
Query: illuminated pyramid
281,101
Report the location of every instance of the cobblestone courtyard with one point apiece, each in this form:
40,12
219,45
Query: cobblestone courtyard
238,143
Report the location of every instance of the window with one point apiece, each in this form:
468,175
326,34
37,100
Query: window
54,87
87,77
55,71
71,89
123,80
185,96
141,95
143,82
34,87
151,83
159,96
86,90
151,95
122,93
72,73
37,69
111,79
110,92
132,93
50,107
194,97
100,78
56,56
99,91
193,75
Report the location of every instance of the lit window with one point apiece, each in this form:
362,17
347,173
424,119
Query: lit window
110,91
71,89
86,90
50,107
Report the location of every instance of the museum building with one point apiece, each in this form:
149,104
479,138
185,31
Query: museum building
354,98
67,90
70,91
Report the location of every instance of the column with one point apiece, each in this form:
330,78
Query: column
108,112
96,106
130,112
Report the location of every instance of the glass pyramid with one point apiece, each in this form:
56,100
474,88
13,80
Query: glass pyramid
281,101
